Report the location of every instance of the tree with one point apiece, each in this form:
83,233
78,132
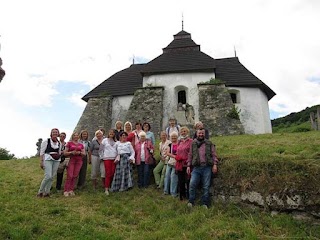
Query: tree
5,154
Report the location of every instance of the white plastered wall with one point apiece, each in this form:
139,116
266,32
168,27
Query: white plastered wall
254,107
174,82
120,107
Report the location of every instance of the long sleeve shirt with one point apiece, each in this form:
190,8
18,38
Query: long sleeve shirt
125,147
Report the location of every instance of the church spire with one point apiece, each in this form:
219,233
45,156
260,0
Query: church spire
182,21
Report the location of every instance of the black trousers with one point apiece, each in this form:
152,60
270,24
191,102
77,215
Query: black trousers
183,182
83,172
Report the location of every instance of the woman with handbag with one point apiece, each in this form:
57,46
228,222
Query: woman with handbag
171,178
144,158
50,153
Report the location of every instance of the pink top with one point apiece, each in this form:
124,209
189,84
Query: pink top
75,147
183,152
147,145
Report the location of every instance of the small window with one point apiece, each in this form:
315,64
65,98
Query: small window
182,97
233,97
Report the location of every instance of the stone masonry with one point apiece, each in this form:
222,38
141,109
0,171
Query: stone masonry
215,106
97,114
147,106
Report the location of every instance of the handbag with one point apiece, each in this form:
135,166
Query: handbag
172,161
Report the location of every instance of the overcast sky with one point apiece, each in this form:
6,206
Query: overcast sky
54,52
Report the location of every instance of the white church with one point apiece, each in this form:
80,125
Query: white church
178,71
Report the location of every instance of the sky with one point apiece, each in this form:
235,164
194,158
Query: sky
54,52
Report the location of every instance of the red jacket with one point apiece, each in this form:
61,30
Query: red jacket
137,149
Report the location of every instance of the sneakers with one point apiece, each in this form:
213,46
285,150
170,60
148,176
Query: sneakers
107,192
66,194
190,205
71,193
205,206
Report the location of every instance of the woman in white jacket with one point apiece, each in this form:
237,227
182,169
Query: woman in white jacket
108,153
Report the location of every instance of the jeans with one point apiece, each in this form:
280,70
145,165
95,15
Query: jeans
159,172
143,174
203,174
50,171
171,181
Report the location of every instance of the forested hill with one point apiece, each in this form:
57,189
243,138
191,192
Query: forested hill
294,122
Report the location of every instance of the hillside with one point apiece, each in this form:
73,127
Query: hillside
294,122
274,163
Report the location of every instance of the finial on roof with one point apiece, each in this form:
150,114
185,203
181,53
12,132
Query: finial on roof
235,52
133,59
182,21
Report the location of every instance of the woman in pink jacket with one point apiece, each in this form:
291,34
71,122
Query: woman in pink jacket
144,158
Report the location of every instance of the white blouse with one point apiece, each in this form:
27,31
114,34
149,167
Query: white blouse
125,147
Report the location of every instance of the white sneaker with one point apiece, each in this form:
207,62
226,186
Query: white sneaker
107,192
189,205
205,206
66,194
71,193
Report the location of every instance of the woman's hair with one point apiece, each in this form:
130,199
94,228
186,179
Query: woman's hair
82,132
53,129
115,125
185,128
174,133
142,133
149,126
123,133
163,132
114,135
127,122
73,135
97,132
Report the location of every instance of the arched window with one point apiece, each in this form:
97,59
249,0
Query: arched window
182,97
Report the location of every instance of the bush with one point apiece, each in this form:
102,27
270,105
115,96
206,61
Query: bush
5,155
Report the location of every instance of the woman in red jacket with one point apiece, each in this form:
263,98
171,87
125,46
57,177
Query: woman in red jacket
144,153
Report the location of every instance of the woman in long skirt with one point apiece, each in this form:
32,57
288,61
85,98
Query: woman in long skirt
123,177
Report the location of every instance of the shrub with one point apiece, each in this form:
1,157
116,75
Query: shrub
5,155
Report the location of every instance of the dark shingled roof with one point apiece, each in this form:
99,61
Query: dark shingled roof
231,71
121,83
181,55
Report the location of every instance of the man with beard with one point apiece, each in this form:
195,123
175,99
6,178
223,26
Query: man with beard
203,159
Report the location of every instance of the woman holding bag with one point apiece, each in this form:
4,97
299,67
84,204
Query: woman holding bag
171,178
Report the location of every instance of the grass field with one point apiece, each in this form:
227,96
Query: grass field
147,214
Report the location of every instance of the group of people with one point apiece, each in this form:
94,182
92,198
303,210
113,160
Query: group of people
184,164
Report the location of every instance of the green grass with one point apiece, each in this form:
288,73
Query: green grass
147,214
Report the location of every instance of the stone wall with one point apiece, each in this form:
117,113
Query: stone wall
215,105
147,106
97,114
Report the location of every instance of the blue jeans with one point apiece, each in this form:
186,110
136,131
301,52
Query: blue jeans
202,173
171,181
143,175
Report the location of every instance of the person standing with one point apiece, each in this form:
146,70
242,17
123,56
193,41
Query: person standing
108,152
63,163
199,125
160,170
149,134
181,164
173,127
84,139
75,150
143,150
118,129
171,178
97,166
49,161
203,158
123,178
133,137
